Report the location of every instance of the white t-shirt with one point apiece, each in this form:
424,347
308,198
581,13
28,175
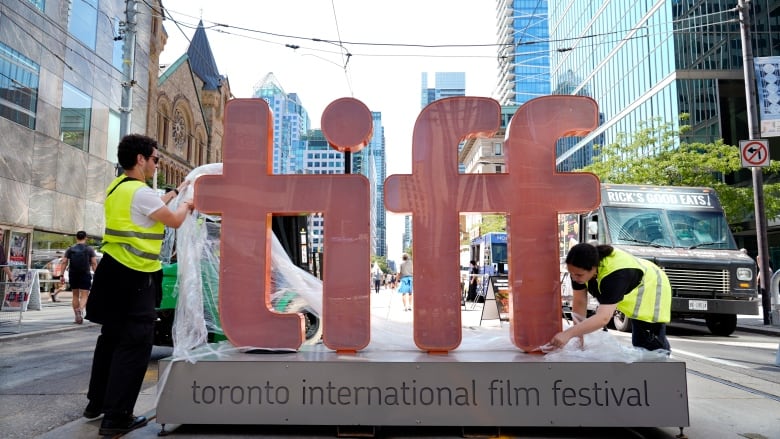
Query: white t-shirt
145,202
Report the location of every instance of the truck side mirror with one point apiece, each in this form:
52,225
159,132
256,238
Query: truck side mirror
593,228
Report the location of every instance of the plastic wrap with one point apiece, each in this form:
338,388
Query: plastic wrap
195,247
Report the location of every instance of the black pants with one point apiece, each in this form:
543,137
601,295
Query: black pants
651,336
122,353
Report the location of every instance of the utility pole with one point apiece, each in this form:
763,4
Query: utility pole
128,67
758,178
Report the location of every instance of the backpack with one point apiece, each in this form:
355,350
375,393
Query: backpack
79,259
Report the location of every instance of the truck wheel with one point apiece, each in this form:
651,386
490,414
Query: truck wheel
621,322
721,324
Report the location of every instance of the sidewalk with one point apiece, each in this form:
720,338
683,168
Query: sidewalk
58,316
703,394
53,317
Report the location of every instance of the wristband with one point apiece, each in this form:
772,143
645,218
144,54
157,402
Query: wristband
176,191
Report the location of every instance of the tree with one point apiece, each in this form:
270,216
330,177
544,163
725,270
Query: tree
493,223
656,155
381,261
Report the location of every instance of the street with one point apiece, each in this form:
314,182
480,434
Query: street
44,380
45,377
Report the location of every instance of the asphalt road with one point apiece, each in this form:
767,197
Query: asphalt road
44,384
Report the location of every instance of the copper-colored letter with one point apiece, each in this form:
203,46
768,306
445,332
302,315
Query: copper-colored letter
531,193
435,194
247,195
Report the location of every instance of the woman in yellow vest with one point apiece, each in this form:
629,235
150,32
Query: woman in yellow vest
619,281
126,286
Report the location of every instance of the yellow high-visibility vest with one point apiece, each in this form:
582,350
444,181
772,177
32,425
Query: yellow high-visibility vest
133,246
651,301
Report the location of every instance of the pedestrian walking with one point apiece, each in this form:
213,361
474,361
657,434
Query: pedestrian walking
377,274
406,287
81,261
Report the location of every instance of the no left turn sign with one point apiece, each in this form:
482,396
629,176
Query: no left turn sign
754,153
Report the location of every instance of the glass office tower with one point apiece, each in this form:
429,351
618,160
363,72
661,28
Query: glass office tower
659,59
523,57
291,123
447,84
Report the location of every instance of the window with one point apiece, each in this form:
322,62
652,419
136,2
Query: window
498,148
119,44
83,21
40,4
112,145
179,131
18,87
75,117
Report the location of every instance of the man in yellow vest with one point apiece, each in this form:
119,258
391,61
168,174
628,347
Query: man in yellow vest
126,285
618,280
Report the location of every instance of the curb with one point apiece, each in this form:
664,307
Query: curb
38,333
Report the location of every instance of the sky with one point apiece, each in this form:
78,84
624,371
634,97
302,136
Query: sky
385,67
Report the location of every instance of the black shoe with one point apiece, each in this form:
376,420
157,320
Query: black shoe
110,427
92,411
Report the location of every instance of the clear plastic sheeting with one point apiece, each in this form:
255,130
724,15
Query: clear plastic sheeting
190,247
195,247
603,346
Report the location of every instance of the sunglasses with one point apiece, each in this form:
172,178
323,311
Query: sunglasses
155,158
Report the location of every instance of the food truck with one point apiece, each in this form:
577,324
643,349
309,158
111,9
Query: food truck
684,231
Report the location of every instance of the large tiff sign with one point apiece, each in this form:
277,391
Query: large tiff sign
530,193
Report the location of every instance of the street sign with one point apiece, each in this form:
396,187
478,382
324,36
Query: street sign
754,153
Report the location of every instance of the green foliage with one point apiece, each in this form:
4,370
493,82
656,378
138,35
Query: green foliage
656,155
492,223
382,261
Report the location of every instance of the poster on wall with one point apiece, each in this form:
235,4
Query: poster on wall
18,291
18,249
768,90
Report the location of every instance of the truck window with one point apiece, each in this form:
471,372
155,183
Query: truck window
637,226
668,228
704,229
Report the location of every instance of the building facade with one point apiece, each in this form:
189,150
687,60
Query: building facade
291,124
446,84
376,151
61,76
643,61
523,54
189,111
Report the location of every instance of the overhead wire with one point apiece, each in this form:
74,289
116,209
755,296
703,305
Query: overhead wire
226,29
229,29
345,55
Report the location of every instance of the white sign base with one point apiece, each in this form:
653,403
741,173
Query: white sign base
411,388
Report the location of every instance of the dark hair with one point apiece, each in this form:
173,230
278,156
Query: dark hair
81,235
587,256
473,262
131,145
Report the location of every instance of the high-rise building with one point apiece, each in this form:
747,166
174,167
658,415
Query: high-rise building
320,158
291,123
376,150
662,59
447,84
523,54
